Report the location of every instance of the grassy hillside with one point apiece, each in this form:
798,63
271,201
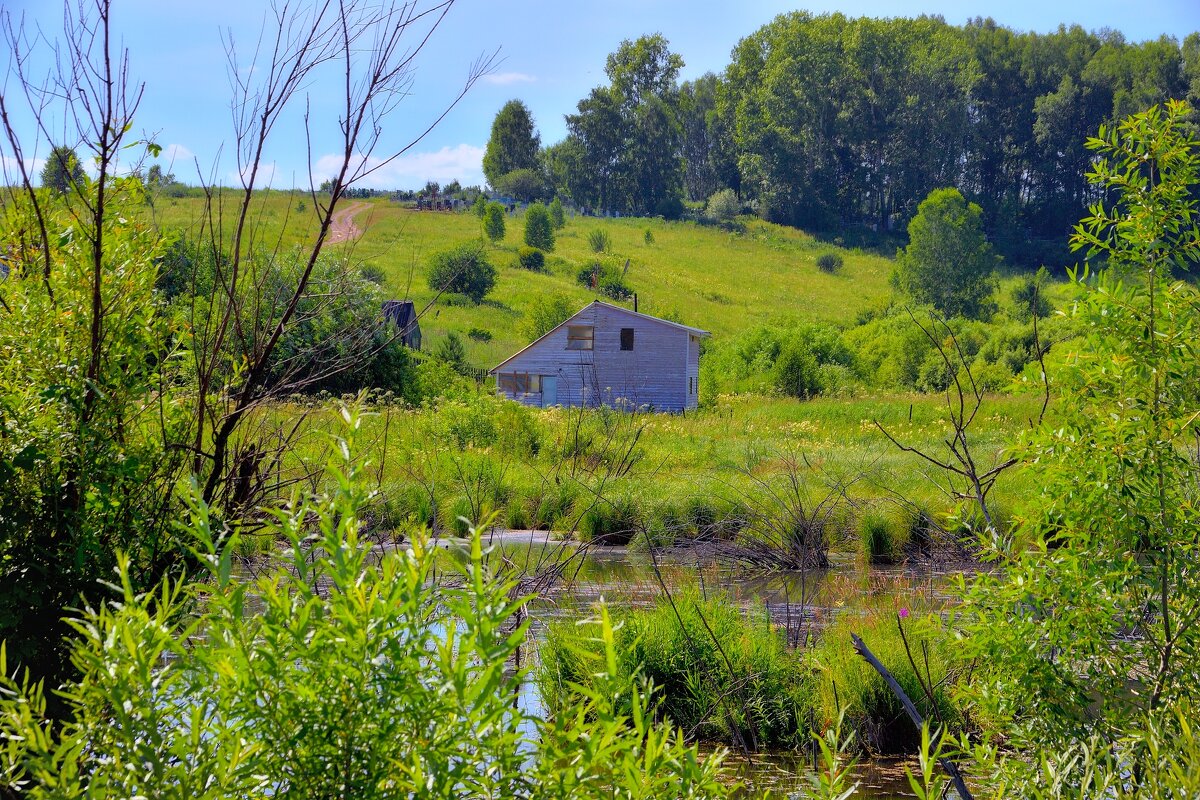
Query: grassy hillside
714,279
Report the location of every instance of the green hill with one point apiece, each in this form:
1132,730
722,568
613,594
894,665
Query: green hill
710,277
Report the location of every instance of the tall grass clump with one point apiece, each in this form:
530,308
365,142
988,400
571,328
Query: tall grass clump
847,684
610,520
599,241
719,673
885,533
829,262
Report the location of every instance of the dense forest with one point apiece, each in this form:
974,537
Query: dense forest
830,123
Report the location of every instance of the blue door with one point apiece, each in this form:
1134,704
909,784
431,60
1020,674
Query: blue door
549,390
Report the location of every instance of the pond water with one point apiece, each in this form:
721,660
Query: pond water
800,603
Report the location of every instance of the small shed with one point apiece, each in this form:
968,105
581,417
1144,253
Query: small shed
607,355
403,314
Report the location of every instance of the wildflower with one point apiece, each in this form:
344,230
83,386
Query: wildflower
903,613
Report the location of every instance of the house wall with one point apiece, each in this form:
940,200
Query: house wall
655,373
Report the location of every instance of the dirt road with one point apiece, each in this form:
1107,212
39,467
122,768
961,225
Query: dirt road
343,228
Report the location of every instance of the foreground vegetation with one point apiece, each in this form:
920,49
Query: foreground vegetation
149,379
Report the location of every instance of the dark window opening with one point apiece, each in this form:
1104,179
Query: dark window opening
626,338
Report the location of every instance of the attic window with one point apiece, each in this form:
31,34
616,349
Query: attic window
626,338
580,337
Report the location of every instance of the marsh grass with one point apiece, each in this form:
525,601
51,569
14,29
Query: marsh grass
720,673
847,684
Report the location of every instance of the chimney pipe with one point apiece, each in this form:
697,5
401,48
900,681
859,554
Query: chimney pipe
635,302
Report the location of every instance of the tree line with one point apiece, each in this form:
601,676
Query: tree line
828,122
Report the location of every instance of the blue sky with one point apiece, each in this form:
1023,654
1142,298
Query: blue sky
551,54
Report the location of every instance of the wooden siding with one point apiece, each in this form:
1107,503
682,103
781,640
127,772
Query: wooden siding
654,374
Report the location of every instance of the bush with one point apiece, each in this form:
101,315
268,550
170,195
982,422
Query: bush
669,208
523,184
722,206
451,351
883,535
539,228
829,262
1028,296
599,241
479,334
605,279
796,370
545,313
557,214
531,258
462,269
493,221
648,237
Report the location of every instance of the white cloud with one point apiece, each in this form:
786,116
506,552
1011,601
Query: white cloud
10,169
463,162
508,78
264,177
177,154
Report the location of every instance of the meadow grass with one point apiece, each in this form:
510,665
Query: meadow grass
721,281
678,476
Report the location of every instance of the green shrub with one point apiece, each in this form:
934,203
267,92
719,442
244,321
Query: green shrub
722,206
648,237
549,507
883,534
493,222
462,269
829,262
468,423
599,240
479,334
545,313
539,228
557,214
796,370
669,208
516,516
605,279
531,258
458,516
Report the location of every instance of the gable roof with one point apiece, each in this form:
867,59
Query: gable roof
570,319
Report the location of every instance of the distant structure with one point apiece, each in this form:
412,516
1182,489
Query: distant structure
607,355
403,314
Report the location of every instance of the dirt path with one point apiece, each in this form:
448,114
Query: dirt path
343,228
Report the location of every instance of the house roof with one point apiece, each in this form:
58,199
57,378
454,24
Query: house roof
568,320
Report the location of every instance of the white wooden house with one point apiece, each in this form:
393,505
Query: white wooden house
607,355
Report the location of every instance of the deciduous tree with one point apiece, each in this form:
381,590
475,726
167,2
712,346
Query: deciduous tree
948,262
513,144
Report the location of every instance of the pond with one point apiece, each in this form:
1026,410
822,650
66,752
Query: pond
799,603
